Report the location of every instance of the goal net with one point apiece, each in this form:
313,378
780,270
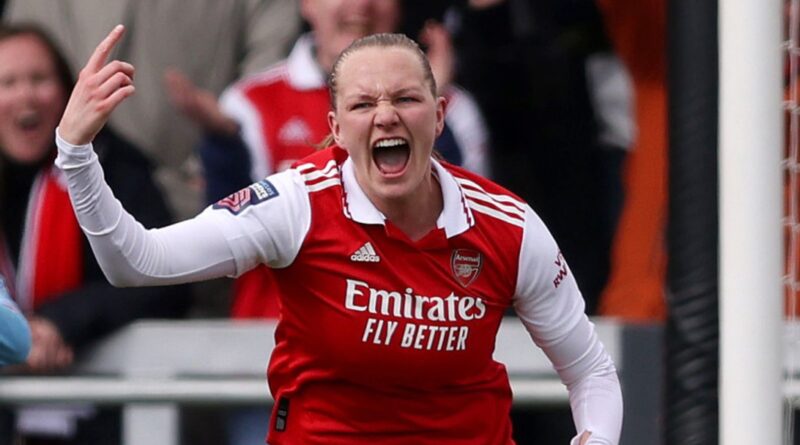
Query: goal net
791,211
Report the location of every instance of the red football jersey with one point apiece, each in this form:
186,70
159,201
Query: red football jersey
386,340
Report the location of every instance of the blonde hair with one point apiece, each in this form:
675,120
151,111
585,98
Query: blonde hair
383,40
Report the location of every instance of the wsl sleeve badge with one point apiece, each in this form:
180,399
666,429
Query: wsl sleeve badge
259,192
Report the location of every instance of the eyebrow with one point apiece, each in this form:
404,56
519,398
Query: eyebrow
359,96
399,92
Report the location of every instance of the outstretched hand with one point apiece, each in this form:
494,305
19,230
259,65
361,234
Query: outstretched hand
100,88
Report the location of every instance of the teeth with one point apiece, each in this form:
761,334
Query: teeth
385,143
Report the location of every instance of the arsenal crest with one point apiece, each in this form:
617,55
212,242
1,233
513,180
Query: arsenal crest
466,265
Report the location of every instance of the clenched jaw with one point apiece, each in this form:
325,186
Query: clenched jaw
391,155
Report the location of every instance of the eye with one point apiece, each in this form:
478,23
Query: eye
6,82
407,99
39,78
360,105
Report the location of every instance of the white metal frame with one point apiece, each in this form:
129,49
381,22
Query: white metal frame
751,252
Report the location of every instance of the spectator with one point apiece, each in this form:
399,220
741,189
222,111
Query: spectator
45,260
635,290
214,42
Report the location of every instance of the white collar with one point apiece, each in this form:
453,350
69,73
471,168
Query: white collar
455,218
303,69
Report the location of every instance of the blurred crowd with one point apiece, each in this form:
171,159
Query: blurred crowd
561,101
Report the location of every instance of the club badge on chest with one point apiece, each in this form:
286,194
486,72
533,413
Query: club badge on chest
466,265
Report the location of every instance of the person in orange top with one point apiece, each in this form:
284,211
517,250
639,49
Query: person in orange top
635,290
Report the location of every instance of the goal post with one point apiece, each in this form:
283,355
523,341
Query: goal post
751,246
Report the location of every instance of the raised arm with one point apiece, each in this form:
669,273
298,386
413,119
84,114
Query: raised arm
100,88
128,254
264,223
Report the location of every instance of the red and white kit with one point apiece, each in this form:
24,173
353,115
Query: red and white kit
381,339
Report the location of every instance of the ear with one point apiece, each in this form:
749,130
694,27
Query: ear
441,109
333,124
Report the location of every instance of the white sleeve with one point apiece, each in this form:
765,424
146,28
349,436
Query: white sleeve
238,107
551,307
226,239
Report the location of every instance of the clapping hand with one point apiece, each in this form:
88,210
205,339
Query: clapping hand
100,88
199,105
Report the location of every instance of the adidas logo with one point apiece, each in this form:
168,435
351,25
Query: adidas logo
366,254
295,131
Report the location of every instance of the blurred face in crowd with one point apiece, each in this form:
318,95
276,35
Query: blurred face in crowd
32,98
337,23
387,118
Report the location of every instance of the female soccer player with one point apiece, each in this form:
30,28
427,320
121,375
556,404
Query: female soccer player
395,269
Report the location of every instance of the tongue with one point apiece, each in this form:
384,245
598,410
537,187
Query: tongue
391,160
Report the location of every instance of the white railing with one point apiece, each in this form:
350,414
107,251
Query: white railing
154,367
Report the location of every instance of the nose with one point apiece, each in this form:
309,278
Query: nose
385,115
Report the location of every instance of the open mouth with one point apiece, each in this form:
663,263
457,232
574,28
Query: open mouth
28,121
357,27
391,155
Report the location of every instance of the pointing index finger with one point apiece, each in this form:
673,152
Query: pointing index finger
102,51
